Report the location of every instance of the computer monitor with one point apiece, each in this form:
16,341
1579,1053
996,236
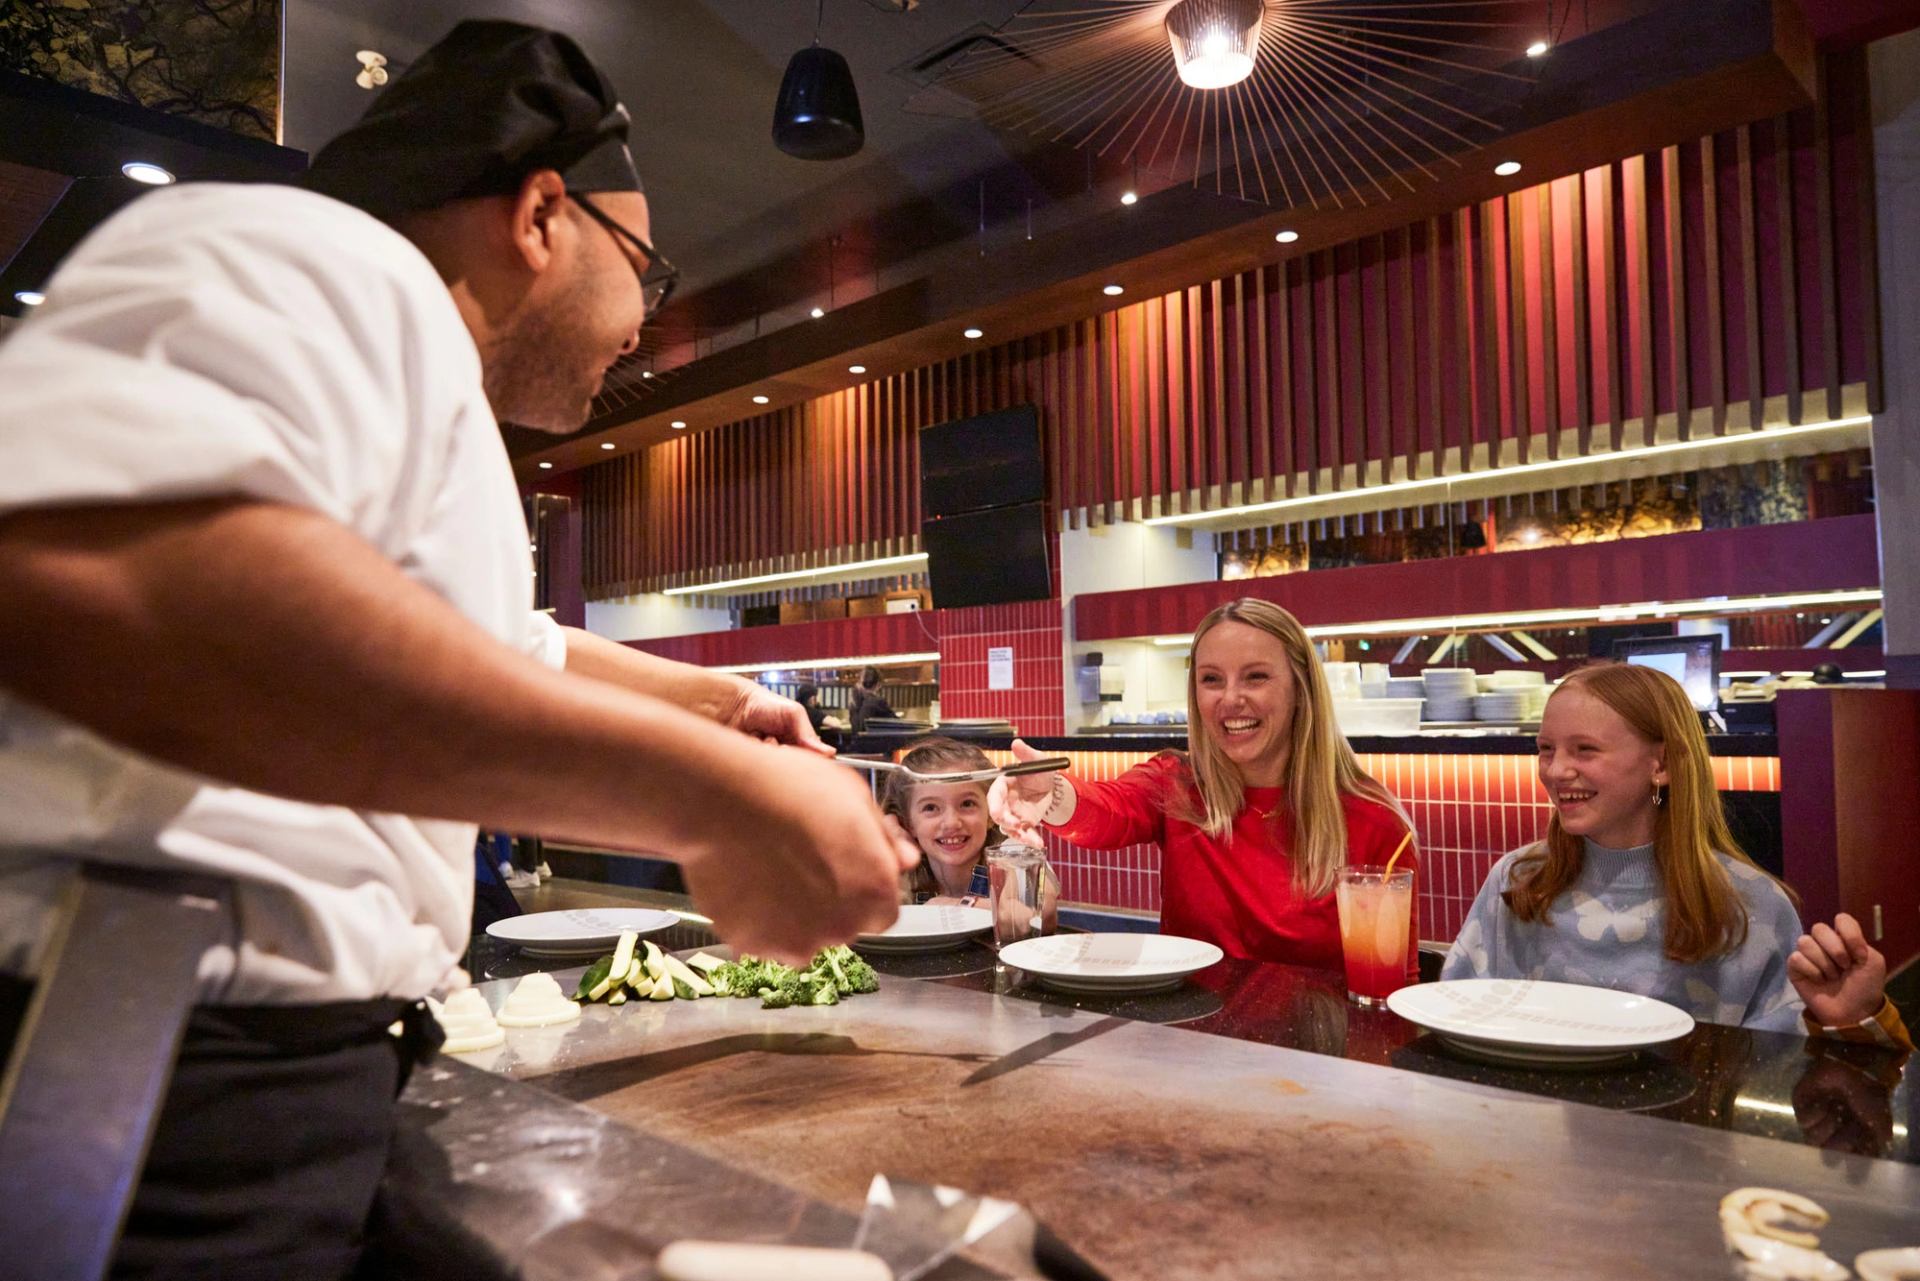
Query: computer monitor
1694,661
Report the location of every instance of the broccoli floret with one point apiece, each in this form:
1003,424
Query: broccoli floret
746,976
851,972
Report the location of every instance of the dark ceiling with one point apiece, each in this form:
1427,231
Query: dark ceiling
750,227
762,237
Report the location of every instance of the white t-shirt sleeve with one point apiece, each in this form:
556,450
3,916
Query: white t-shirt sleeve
546,640
213,341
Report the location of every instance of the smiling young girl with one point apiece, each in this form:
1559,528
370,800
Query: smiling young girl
1257,817
1640,886
948,821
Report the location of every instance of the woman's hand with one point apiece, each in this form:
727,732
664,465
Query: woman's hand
1020,804
1839,975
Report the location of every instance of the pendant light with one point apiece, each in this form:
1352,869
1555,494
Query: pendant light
817,115
1214,41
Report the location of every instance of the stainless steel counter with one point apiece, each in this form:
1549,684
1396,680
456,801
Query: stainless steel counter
1160,1152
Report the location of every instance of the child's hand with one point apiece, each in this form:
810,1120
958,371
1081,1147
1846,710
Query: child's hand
1839,975
1019,804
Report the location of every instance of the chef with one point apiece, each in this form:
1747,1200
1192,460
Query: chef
265,615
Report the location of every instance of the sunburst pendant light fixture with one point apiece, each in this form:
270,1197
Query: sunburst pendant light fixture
1214,41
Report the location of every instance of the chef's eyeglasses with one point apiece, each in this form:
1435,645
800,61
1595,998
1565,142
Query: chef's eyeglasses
659,276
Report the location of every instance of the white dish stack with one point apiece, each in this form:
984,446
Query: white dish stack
1449,692
1532,684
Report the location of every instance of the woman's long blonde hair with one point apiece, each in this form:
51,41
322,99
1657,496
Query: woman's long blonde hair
1705,914
1321,768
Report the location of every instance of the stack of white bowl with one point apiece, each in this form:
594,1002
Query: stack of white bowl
1405,687
1449,693
1532,684
1502,706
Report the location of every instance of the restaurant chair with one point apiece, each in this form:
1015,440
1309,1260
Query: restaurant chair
92,1059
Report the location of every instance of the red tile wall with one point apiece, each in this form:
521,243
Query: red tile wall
1032,629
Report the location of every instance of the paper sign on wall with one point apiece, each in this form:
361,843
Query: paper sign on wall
1000,667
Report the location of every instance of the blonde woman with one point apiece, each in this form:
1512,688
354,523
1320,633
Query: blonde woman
1257,817
1640,886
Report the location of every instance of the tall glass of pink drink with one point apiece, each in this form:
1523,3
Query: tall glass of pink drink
1376,918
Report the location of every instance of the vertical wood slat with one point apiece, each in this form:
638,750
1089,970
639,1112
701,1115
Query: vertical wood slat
1677,344
1634,197
1517,356
1823,238
1260,421
1232,389
1750,279
1582,316
1789,266
1436,399
1378,346
1407,442
1716,329
1487,425
1287,445
1221,391
1549,319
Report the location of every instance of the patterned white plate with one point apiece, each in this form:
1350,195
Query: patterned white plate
580,932
929,927
1533,1021
1107,963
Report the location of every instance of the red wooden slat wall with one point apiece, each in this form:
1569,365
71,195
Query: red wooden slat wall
1693,284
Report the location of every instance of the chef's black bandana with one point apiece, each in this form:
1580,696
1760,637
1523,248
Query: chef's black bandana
473,116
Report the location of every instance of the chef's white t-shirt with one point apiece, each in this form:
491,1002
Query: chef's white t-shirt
261,341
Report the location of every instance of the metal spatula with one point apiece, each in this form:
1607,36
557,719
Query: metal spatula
1045,765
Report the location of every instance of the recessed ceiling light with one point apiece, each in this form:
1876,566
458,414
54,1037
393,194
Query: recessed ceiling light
973,333
29,297
856,369
646,373
152,175
678,424
1286,237
1113,291
759,400
818,312
1507,168
606,444
1130,198
546,466
1538,49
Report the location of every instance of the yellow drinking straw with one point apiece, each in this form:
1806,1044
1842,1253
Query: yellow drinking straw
1398,851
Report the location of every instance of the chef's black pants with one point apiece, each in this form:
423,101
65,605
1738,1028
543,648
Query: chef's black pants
271,1141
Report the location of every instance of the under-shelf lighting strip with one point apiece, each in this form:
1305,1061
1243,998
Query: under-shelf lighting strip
1552,467
816,664
788,576
1587,614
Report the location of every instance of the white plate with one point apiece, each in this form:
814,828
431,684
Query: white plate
581,932
1108,963
1536,1022
929,927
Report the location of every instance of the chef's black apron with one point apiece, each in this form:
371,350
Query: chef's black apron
271,1141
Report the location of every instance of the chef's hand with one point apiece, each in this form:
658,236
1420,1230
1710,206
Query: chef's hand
764,714
1020,804
808,863
1839,975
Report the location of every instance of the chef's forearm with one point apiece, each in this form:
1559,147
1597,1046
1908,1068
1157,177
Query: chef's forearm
713,695
270,647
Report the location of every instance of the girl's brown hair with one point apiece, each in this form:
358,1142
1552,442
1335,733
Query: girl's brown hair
932,756
1321,768
1705,914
